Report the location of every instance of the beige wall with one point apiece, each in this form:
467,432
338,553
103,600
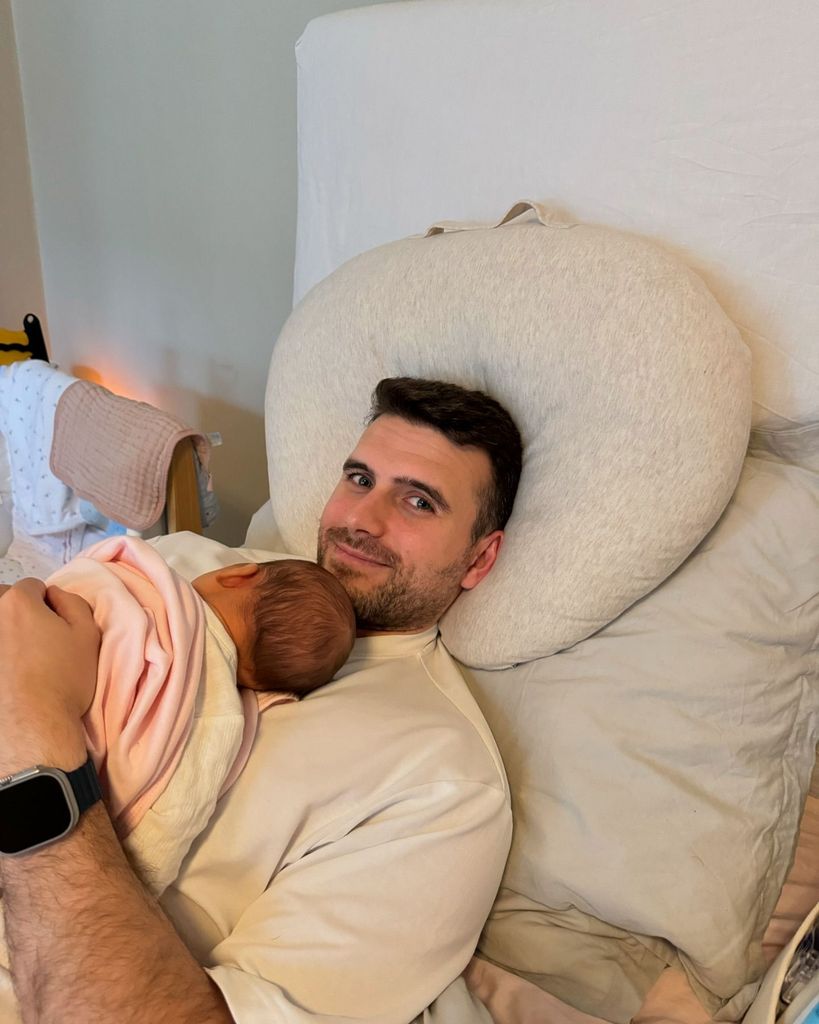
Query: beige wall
21,285
162,146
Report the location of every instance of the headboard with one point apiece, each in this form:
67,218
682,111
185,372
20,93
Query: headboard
693,124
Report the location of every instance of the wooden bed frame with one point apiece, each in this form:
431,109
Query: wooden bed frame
182,491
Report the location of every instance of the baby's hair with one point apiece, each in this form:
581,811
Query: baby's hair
302,626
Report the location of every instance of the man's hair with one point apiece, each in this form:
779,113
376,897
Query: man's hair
467,418
302,626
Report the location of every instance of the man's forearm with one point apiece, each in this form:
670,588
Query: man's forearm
89,945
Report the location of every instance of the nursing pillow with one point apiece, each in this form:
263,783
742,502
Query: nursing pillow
630,386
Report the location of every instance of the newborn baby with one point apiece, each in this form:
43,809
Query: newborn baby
168,730
291,621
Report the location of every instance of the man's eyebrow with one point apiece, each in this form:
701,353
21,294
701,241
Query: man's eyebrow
428,489
419,485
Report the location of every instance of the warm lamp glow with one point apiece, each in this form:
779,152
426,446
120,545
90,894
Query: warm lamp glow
86,373
115,381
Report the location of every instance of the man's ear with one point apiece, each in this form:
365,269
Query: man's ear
483,558
241,575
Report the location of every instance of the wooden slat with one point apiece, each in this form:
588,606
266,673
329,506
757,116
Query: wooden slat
183,490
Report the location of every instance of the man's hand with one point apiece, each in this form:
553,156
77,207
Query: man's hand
48,651
74,910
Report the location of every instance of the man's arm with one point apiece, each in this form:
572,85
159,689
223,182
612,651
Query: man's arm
87,943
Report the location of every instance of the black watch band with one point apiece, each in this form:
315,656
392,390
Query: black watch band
41,805
85,784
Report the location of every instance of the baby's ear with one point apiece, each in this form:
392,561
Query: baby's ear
241,575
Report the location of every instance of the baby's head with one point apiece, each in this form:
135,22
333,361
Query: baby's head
292,622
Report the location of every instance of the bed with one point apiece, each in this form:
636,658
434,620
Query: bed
660,759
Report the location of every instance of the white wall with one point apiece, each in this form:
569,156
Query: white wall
21,286
162,146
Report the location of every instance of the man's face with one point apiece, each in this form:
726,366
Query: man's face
397,528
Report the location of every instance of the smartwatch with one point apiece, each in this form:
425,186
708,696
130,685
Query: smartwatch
40,805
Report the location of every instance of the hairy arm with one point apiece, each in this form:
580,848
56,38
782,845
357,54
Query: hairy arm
86,942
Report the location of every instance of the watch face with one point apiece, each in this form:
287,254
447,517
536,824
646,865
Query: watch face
33,811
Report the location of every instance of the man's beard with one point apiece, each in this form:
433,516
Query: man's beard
407,599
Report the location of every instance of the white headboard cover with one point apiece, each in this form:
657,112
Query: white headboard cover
693,124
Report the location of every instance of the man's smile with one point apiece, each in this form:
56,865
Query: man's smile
361,554
356,556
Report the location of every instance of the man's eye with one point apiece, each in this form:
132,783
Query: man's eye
421,504
359,479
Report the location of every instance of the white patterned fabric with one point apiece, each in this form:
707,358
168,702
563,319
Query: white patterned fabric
29,392
629,384
46,527
5,496
34,556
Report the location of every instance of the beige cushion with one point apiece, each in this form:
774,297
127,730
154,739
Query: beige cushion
658,769
630,386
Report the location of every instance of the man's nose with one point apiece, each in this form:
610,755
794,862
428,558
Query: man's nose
369,514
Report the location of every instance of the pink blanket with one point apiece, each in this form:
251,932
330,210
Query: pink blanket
152,624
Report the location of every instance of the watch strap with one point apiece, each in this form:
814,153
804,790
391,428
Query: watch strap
86,785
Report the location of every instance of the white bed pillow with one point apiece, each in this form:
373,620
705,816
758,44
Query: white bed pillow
629,384
658,769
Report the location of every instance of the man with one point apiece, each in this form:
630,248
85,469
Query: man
403,551
348,872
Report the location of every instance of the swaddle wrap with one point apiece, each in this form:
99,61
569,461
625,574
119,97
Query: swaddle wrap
168,729
152,624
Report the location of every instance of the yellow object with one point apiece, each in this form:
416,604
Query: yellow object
14,346
26,344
